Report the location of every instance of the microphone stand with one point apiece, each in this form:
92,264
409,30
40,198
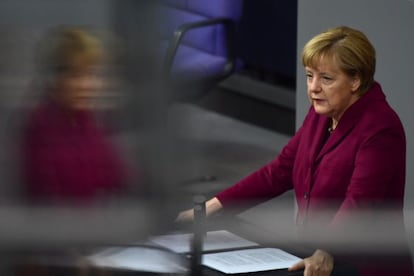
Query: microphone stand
199,202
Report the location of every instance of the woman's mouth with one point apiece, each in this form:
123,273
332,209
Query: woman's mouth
318,100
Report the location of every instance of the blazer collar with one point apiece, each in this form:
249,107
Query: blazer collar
349,119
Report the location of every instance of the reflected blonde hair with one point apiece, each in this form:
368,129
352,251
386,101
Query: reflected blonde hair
74,48
349,47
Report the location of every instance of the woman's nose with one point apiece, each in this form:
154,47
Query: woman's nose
314,85
88,83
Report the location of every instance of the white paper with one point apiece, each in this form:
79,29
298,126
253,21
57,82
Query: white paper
139,259
214,240
249,260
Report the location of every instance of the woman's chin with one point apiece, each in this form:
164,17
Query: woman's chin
81,106
321,110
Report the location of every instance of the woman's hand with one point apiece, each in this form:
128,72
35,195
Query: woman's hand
320,263
187,215
212,206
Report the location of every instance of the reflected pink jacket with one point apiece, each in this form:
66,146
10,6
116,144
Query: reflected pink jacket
360,166
66,157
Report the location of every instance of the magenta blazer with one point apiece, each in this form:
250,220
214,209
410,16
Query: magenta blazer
360,166
67,158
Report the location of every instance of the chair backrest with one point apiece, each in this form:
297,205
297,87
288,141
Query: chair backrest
209,39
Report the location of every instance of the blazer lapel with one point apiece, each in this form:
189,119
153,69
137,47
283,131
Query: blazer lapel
318,138
348,121
337,136
318,146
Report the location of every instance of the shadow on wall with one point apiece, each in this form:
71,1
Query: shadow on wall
267,42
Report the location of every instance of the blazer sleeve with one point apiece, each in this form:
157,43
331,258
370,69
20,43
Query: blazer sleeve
269,181
38,161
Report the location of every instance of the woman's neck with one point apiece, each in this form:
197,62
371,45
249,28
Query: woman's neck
332,125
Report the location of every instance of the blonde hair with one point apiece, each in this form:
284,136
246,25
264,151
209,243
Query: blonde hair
349,47
73,48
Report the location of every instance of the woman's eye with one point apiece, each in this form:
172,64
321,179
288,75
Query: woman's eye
327,79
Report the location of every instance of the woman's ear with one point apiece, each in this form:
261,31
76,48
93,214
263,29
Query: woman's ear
355,83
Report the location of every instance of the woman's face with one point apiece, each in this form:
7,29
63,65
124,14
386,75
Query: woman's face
330,90
79,88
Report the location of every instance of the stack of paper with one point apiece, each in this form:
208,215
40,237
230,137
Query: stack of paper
235,255
144,259
249,260
214,240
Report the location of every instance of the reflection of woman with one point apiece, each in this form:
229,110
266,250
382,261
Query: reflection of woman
348,157
66,156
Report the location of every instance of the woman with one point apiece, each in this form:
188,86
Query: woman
66,156
347,159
